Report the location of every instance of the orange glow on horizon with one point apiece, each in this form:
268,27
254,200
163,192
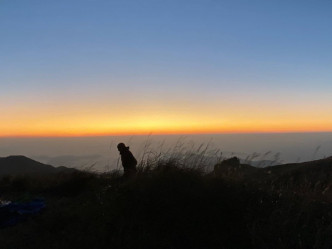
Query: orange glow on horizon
188,131
73,121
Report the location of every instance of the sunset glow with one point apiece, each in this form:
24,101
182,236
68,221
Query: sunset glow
192,122
85,68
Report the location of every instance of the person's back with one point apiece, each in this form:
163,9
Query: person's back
129,162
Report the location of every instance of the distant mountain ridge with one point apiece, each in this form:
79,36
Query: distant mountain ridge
22,165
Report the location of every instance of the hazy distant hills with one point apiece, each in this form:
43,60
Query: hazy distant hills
21,165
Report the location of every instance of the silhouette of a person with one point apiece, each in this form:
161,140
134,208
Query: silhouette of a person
129,162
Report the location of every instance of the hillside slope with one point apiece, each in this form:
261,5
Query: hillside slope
308,177
313,178
21,165
174,207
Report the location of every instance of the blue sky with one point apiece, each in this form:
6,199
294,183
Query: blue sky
204,52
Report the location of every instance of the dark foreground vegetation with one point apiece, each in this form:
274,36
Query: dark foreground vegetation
171,206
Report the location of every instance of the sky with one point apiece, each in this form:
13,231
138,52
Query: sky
106,67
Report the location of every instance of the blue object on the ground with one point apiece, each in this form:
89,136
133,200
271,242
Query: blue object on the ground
16,212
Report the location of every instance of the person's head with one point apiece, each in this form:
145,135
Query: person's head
122,147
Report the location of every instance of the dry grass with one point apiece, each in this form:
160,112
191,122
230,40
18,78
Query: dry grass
173,202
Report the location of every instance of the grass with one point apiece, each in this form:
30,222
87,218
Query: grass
171,203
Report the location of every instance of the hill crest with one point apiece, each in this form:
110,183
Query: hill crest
22,165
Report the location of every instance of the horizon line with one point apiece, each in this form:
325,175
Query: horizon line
159,134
